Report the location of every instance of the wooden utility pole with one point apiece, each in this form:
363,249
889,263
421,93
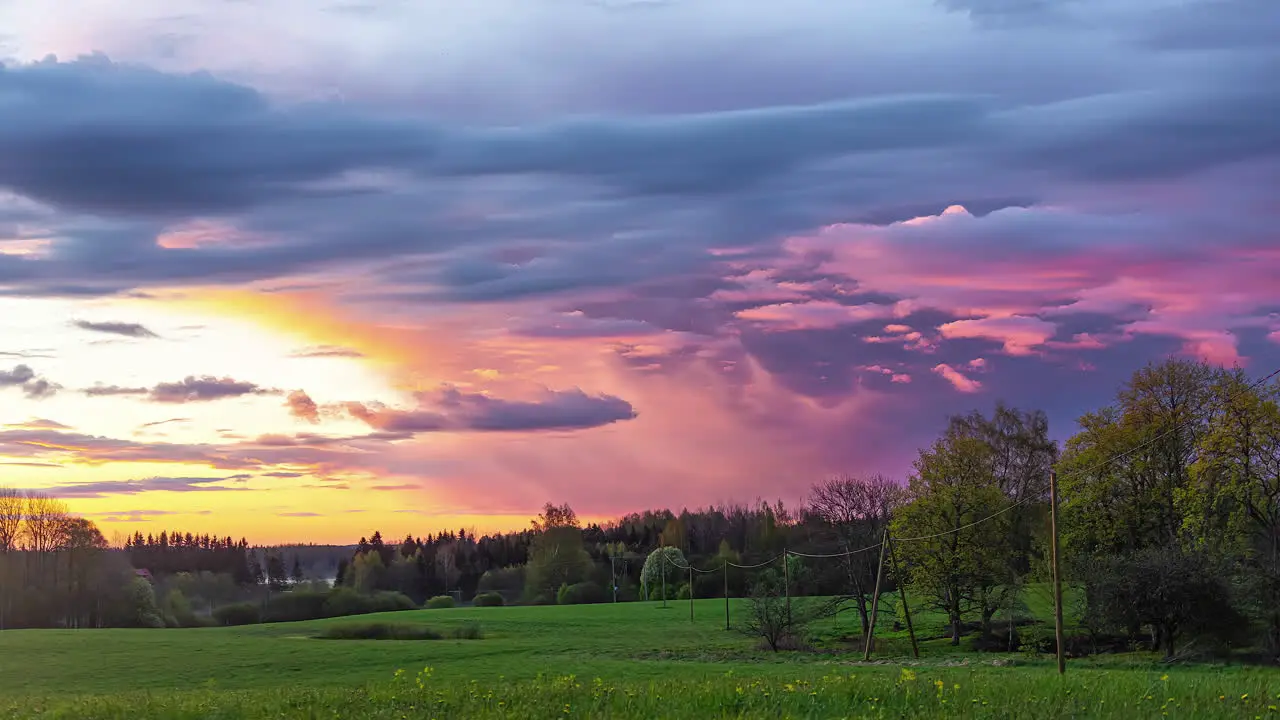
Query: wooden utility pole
786,581
875,600
726,594
664,576
902,593
1057,571
690,592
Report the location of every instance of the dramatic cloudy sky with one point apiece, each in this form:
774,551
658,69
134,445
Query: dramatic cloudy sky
296,269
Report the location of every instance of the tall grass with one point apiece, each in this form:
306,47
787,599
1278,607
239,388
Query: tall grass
840,692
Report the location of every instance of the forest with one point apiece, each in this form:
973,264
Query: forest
1169,503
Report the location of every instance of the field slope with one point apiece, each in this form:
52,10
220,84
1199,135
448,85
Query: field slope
627,660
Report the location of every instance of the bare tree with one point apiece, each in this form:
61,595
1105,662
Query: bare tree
857,510
46,522
779,623
12,504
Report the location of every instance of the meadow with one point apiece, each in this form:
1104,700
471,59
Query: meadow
631,660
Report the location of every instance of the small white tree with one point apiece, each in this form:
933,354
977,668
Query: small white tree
654,567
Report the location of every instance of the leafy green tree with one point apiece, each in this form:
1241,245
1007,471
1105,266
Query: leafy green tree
964,565
366,572
556,555
1126,474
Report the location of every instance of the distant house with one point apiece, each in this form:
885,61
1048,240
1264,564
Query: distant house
145,574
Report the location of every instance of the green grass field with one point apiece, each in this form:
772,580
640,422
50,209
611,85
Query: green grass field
632,660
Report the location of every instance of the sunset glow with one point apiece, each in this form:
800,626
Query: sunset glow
353,277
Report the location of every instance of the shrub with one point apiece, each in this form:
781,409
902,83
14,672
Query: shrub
507,582
378,631
345,601
583,593
440,602
391,601
683,592
295,605
543,598
467,631
488,599
245,613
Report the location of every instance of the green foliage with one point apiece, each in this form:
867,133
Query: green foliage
1177,593
684,592
488,599
366,572
140,605
508,582
295,605
556,555
968,558
177,609
244,613
440,602
583,593
345,601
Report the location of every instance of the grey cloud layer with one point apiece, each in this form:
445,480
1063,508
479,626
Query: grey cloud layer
116,328
454,410
189,389
168,146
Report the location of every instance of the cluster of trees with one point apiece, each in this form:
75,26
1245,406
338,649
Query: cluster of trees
1170,514
178,552
56,570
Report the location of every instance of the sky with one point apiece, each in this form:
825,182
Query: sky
299,270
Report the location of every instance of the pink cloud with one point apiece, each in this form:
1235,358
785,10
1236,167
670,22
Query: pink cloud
957,378
1021,335
813,315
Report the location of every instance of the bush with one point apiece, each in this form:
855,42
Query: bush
507,582
295,605
467,631
1176,593
488,599
683,592
391,601
378,631
440,602
583,593
245,613
543,598
345,601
